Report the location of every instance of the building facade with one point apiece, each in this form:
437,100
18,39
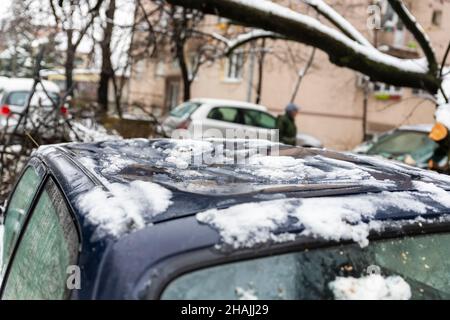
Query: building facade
337,106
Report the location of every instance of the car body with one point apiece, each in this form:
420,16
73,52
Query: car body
214,117
127,221
403,144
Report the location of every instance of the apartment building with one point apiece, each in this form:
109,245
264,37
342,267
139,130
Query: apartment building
336,104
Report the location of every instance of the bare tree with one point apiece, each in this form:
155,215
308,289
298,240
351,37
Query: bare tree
74,18
107,72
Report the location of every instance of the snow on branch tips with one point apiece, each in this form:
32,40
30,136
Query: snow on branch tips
338,21
345,46
418,32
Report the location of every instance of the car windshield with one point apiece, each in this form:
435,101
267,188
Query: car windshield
184,110
404,142
413,267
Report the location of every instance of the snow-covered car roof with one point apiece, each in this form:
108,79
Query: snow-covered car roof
142,203
26,84
229,103
149,181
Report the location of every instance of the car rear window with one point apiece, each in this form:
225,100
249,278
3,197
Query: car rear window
184,110
20,98
17,98
414,267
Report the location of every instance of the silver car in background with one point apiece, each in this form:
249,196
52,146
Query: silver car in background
216,115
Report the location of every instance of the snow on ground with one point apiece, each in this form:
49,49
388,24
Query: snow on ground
329,218
372,287
87,131
124,207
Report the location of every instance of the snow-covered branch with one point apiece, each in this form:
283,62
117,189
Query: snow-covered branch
241,39
253,35
341,50
418,32
338,21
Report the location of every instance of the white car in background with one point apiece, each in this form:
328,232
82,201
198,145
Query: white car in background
222,115
14,95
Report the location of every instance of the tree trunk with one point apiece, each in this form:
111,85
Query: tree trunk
187,81
107,69
260,72
69,66
70,61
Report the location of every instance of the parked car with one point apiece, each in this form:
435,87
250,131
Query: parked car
222,115
14,96
124,220
409,144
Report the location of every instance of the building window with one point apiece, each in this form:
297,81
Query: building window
160,70
139,69
384,91
420,93
437,18
235,66
173,89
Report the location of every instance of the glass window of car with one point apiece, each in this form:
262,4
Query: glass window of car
184,110
17,210
259,119
422,261
227,114
17,98
46,250
404,142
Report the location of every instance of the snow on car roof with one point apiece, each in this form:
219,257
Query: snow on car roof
26,84
230,103
326,194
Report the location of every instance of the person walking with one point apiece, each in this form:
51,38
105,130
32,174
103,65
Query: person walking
286,125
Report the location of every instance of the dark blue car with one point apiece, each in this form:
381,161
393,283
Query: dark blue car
152,219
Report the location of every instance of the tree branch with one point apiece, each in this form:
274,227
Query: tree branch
338,21
418,32
341,50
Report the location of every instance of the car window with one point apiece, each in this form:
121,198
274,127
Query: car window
40,98
17,98
17,210
48,247
259,119
226,114
407,142
184,109
422,261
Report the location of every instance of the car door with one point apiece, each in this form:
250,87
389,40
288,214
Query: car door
222,119
47,247
261,122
